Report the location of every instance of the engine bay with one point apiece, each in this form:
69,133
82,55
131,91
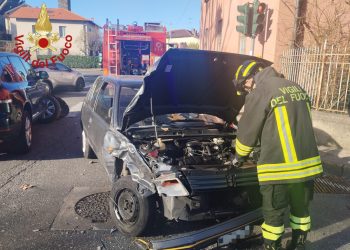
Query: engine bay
187,152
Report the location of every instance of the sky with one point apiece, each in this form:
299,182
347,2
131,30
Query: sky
174,14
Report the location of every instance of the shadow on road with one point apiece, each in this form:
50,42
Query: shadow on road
329,150
60,139
65,94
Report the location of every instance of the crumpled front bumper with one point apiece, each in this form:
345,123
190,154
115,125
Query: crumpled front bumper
204,237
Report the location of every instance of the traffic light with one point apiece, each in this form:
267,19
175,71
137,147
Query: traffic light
258,18
243,19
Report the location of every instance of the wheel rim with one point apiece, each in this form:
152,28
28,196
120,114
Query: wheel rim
50,108
80,84
84,141
28,131
127,207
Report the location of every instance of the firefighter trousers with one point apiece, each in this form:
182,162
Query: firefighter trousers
276,199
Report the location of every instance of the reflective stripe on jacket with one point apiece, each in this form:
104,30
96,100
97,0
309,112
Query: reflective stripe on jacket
277,116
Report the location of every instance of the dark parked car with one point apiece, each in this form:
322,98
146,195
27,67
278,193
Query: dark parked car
168,141
24,98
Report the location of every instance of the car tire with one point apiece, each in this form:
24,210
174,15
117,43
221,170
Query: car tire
49,86
80,84
88,152
64,107
52,109
132,212
24,140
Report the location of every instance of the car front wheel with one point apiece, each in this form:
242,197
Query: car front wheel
80,84
132,212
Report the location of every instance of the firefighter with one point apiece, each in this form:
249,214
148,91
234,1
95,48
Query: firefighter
277,118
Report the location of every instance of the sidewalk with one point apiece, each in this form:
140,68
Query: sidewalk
332,133
91,71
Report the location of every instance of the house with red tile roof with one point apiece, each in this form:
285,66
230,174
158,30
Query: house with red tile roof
183,38
22,20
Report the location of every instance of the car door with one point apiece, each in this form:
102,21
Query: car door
33,91
66,77
34,80
101,117
88,108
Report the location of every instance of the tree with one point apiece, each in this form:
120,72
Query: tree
321,20
92,42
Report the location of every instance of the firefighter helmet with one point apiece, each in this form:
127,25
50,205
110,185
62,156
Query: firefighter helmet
248,69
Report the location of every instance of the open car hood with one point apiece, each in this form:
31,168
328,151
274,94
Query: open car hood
189,81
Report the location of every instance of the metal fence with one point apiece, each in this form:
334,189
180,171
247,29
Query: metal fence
324,72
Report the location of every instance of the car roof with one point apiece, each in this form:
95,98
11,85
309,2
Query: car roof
7,54
126,80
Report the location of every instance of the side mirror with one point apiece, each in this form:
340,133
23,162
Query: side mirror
43,75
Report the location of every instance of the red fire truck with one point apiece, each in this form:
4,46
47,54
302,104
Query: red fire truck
130,49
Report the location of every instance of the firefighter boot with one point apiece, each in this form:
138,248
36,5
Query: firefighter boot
298,240
273,245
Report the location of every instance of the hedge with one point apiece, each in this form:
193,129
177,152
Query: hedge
78,61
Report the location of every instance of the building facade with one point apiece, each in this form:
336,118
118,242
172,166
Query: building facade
318,21
183,38
85,32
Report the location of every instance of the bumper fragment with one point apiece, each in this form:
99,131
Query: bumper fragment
201,238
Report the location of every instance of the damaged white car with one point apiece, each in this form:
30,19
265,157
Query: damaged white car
168,141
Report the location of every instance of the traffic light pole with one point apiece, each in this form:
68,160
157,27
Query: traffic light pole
252,44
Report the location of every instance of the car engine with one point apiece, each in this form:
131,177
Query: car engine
164,154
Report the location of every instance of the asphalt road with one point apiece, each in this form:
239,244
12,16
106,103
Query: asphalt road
56,169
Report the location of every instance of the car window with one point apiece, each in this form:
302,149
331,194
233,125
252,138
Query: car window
125,96
62,67
28,68
105,101
52,66
19,68
8,73
92,94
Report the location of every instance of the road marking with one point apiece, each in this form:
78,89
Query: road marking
75,110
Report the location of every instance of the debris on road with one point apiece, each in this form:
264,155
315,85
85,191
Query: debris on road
36,230
26,186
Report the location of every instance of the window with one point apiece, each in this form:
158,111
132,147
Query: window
8,73
62,31
205,38
219,34
105,101
28,68
62,67
92,94
125,96
19,68
242,40
52,67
